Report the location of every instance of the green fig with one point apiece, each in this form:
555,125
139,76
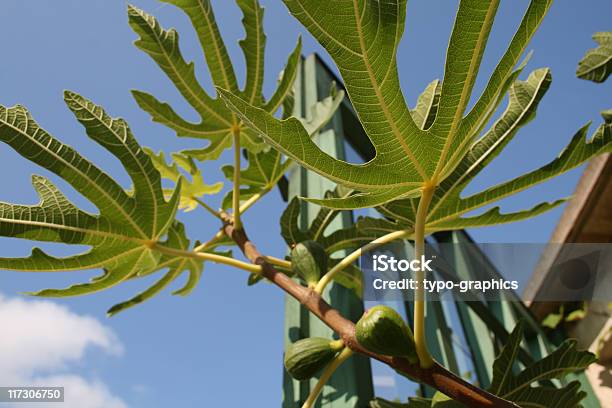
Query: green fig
309,261
382,330
306,357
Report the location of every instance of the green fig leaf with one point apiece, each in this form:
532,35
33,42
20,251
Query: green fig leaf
346,238
448,207
263,172
191,191
265,169
518,388
175,266
123,238
438,142
596,65
413,148
216,121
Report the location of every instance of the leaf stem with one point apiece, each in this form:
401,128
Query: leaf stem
218,236
236,192
252,200
419,297
346,262
269,186
278,262
206,256
243,207
344,355
207,207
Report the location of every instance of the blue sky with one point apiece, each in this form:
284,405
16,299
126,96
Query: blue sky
222,345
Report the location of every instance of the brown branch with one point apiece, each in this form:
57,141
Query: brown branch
436,376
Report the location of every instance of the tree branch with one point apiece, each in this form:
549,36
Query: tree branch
436,375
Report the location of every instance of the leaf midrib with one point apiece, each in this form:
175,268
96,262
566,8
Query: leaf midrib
215,44
592,69
543,375
507,373
499,140
258,57
205,133
122,140
91,182
324,222
379,96
180,77
466,90
94,265
74,229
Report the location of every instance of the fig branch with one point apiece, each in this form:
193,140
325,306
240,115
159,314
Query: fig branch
435,375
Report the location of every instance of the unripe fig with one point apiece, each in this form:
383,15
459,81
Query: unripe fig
309,261
306,357
382,330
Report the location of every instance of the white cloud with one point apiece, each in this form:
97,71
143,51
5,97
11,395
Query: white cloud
39,341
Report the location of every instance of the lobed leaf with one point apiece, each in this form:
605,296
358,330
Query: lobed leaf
253,46
504,363
523,100
123,236
596,65
564,360
518,387
216,122
263,173
175,266
436,142
448,207
163,47
191,191
412,147
265,169
201,14
499,81
577,152
349,237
